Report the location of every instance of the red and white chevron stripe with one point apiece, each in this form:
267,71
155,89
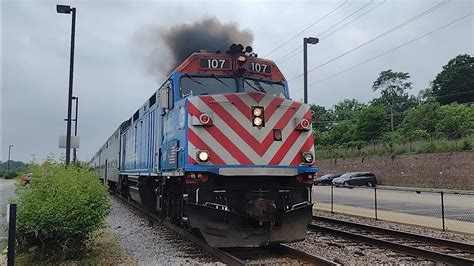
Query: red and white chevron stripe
232,140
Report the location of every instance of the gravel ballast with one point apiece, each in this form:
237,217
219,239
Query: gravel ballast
402,227
151,244
155,244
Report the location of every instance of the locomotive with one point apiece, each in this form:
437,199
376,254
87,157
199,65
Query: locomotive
219,149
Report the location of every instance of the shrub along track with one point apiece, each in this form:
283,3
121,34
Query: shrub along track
275,254
434,249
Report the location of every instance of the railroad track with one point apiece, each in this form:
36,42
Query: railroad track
237,256
434,249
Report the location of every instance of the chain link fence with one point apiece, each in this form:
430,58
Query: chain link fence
444,209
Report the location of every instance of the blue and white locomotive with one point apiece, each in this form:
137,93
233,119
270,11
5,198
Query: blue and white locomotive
219,149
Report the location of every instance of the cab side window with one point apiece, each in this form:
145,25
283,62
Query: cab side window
170,96
166,96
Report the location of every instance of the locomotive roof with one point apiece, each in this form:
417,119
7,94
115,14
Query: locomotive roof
199,64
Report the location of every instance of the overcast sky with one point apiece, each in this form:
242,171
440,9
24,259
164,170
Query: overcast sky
111,77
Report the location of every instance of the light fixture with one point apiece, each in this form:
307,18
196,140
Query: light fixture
62,9
203,156
204,119
305,123
257,116
308,157
257,111
257,121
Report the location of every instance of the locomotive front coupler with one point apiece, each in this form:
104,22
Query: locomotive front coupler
261,210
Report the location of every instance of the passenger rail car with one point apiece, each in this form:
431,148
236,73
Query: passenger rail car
219,149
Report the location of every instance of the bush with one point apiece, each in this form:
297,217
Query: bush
466,145
10,175
59,211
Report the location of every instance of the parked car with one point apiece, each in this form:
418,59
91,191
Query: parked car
356,179
325,179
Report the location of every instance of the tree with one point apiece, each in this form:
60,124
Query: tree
347,109
393,86
424,117
455,83
14,165
456,121
371,123
341,132
322,118
426,96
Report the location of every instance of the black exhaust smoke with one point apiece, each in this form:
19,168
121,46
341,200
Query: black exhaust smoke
181,41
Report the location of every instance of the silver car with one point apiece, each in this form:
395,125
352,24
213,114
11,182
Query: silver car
356,179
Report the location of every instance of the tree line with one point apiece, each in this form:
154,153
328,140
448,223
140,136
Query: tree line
444,110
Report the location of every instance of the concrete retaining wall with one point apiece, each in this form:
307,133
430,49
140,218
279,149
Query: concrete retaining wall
437,170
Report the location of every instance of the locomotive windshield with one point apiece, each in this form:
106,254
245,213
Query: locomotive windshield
268,87
194,86
209,85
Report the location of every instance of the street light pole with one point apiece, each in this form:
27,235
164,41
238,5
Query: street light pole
62,9
9,153
74,155
310,40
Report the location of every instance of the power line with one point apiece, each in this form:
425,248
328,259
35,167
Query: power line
356,18
305,29
418,16
455,94
295,51
299,47
391,50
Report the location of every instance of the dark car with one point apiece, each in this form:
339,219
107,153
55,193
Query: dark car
326,179
356,179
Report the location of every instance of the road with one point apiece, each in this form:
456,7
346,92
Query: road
7,190
456,206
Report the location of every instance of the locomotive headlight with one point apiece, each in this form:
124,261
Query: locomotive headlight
241,58
257,116
308,157
203,156
257,111
257,121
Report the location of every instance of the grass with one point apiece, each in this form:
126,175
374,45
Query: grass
103,250
384,149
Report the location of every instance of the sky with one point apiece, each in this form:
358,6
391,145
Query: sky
112,80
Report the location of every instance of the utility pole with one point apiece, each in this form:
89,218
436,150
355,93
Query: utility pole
9,153
391,115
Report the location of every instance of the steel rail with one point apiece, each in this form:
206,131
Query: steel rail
414,251
220,254
298,254
427,239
